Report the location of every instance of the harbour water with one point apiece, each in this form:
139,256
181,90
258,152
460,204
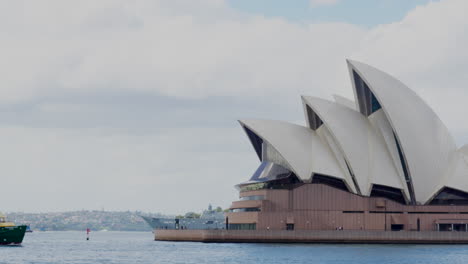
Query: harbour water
139,247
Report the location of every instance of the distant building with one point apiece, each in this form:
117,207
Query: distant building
383,162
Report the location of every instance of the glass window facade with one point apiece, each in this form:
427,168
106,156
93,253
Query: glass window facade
391,193
288,183
268,171
314,120
449,196
368,103
330,181
252,197
456,227
256,141
243,210
375,105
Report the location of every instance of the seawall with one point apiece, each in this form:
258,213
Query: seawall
308,236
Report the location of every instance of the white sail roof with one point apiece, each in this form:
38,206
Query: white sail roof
425,142
364,149
389,137
300,147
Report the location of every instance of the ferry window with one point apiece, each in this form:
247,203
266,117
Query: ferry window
289,226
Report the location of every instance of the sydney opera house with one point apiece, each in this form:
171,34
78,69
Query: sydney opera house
383,162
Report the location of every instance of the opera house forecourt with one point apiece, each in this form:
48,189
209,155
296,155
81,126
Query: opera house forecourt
382,168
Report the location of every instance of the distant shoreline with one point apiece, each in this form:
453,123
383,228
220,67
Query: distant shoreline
81,220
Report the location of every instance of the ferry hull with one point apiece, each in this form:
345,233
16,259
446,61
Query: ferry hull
12,235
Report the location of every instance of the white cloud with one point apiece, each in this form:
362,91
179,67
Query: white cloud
426,51
158,46
71,169
56,51
315,3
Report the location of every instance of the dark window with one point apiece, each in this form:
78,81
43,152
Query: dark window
445,227
459,227
289,226
242,226
397,227
290,182
368,103
449,196
391,193
256,141
353,212
330,181
314,120
375,104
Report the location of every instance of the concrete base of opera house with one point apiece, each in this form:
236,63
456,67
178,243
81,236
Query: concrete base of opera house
310,236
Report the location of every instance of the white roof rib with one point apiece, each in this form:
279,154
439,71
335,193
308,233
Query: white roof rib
425,142
364,149
385,131
300,147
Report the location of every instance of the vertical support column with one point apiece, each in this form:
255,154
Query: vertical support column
290,200
385,214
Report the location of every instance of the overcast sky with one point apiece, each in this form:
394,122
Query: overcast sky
133,105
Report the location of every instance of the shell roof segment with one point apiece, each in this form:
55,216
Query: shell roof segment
363,148
388,137
300,147
425,142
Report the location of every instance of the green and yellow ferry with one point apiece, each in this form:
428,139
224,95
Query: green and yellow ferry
10,234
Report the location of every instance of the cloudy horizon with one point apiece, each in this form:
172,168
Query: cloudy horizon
134,105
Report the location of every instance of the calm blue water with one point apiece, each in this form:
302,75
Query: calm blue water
139,247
